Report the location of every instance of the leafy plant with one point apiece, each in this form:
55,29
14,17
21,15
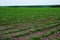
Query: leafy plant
6,38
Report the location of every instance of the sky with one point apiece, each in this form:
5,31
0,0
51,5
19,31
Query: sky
28,2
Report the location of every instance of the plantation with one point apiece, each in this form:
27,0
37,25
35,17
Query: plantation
28,23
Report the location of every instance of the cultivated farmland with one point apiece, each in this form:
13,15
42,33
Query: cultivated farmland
26,23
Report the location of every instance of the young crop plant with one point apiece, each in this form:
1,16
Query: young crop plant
47,27
35,38
7,28
21,34
37,29
6,38
57,38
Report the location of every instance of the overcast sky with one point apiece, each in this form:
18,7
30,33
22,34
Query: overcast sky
28,2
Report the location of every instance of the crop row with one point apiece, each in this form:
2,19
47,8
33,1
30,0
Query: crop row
13,31
7,28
